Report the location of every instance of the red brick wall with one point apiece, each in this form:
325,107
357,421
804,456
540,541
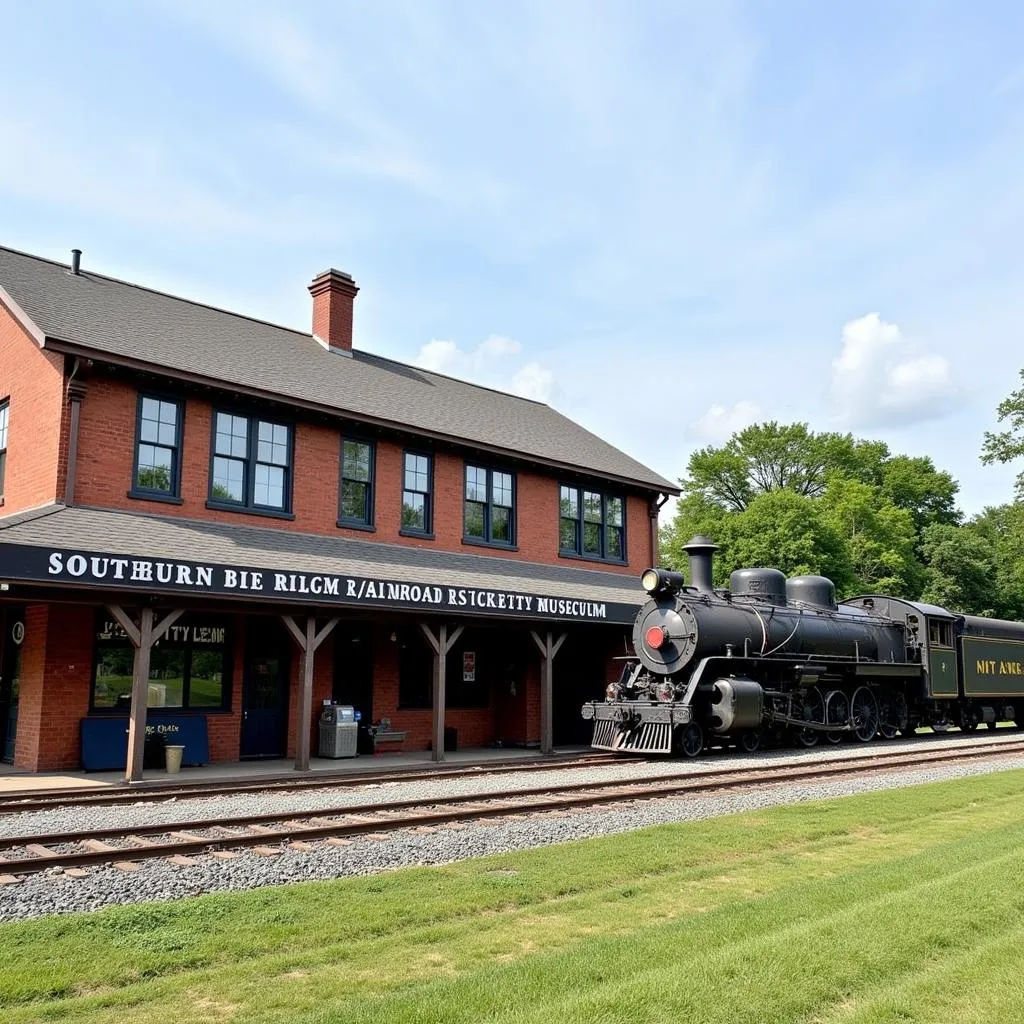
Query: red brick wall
106,451
33,380
56,666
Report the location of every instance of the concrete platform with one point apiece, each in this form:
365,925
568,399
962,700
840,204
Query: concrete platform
14,781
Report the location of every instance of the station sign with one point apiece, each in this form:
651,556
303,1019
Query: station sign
30,563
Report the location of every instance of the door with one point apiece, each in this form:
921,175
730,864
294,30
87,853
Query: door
353,667
580,674
265,686
10,678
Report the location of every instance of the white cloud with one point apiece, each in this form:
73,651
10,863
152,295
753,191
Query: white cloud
721,422
488,364
882,378
534,381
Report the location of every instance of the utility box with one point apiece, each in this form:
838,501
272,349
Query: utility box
339,731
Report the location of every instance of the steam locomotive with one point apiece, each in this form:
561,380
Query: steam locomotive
778,657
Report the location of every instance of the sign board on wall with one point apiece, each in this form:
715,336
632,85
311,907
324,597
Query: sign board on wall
115,571
469,666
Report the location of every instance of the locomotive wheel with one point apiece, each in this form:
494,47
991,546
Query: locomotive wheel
807,737
893,716
691,740
837,712
864,714
814,711
968,720
750,741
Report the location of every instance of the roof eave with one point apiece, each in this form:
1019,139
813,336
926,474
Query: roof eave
78,349
22,318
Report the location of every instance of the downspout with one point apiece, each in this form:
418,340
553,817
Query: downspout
653,510
75,394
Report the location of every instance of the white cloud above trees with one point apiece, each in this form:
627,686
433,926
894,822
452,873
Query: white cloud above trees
883,378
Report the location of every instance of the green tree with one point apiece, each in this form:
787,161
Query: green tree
876,503
961,570
1007,445
879,537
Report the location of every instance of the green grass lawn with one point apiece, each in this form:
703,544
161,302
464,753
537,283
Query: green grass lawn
899,906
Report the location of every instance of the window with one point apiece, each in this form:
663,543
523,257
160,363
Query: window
157,447
940,633
591,524
417,473
5,408
489,515
251,463
463,689
189,668
356,500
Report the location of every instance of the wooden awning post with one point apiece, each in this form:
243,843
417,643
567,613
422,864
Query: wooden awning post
308,643
142,636
548,648
442,644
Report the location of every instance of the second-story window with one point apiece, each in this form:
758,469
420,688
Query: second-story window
591,524
158,448
251,463
489,514
356,483
5,410
417,474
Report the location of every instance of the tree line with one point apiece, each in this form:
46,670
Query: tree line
848,508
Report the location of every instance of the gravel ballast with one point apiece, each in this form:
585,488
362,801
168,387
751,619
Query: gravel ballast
48,893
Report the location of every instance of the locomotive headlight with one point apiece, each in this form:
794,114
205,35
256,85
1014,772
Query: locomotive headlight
665,691
662,581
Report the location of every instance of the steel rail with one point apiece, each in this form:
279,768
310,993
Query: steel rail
155,792
380,817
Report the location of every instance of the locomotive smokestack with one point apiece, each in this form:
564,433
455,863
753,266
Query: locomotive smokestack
701,551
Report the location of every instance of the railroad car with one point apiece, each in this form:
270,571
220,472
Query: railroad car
781,658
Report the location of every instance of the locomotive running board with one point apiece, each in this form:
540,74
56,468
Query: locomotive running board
644,738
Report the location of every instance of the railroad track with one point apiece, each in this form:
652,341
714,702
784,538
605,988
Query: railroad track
270,833
155,792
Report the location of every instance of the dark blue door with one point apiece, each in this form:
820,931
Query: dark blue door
10,679
265,690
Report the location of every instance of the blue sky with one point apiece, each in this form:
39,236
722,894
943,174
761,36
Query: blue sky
668,219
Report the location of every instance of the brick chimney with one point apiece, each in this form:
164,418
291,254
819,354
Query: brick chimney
334,295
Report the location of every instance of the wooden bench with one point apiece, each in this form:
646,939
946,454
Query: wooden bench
387,737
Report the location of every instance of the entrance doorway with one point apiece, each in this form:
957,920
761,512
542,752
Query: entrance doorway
353,667
579,676
13,619
265,689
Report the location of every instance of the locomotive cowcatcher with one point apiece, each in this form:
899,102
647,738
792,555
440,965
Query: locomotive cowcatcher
771,656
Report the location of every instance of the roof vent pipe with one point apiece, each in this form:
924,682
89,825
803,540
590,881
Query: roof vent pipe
76,262
701,551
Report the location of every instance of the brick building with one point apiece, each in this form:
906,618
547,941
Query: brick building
212,524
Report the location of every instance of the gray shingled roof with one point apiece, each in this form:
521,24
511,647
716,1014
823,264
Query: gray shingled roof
101,531
126,321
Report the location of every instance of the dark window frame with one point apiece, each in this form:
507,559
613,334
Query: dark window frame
369,521
428,505
148,494
5,407
577,551
488,539
249,505
227,671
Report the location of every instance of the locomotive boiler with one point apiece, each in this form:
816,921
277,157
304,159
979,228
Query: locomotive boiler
772,656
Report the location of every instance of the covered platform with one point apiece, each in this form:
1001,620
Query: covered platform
15,782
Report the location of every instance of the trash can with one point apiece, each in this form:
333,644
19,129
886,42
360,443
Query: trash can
174,755
339,731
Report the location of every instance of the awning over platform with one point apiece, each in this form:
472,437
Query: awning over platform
123,551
